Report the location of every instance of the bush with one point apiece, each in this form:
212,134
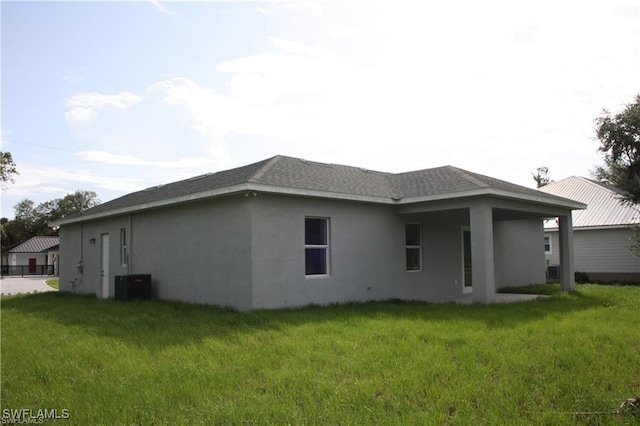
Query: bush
582,278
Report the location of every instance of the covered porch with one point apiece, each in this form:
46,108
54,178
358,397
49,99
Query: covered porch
485,218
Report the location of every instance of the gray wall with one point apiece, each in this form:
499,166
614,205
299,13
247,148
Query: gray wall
442,269
198,252
248,252
76,247
367,253
519,253
69,257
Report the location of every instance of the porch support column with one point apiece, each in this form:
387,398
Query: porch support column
483,275
567,273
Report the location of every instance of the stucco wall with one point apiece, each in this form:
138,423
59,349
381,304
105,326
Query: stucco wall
441,277
69,256
198,252
599,251
81,244
366,250
519,253
248,252
367,253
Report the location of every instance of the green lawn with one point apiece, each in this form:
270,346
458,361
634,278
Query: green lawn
53,282
568,359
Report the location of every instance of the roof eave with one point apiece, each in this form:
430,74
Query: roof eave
282,190
244,187
154,205
594,227
564,202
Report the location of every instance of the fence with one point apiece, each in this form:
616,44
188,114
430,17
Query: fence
22,270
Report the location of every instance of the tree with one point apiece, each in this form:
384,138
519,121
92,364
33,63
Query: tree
74,203
7,168
541,176
31,220
619,137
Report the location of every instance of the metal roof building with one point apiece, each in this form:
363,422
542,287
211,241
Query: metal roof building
605,206
36,245
602,238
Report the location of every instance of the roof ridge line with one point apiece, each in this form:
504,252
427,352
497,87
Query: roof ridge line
602,186
395,193
467,176
264,169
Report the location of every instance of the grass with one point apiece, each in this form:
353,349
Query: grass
547,289
569,359
53,282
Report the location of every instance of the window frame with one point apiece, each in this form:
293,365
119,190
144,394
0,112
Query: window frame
417,247
550,237
124,248
326,247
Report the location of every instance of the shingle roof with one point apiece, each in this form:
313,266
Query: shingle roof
36,245
604,204
189,186
449,179
296,174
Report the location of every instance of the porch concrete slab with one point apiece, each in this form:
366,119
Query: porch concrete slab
23,285
499,298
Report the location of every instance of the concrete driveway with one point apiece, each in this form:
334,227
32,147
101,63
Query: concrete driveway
17,285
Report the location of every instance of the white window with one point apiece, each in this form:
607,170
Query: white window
316,246
124,257
413,242
547,244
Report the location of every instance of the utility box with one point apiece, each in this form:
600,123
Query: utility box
553,272
130,287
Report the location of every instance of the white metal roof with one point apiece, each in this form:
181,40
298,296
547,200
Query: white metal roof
604,205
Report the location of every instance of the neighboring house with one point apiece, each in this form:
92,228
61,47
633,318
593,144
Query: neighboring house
35,256
602,233
289,232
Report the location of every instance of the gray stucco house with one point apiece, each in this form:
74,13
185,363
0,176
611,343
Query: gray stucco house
289,232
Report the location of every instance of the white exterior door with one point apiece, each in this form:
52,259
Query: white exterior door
105,266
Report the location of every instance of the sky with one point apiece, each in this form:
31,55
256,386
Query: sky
115,97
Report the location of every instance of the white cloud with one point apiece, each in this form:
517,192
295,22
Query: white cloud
84,107
102,157
497,94
265,11
72,78
98,101
30,183
307,7
159,6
